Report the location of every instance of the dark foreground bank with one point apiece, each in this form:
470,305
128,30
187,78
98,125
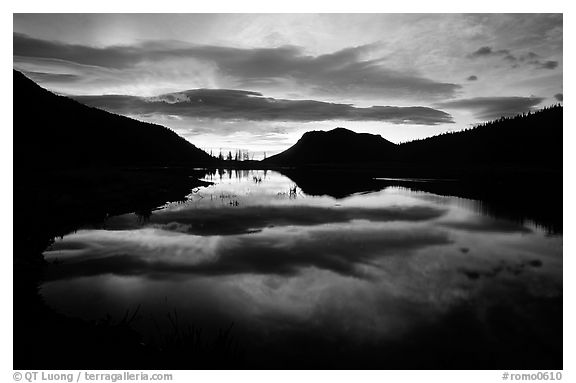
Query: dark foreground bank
52,203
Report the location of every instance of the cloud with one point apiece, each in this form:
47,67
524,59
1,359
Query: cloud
472,78
488,51
111,57
51,77
344,72
489,108
548,64
227,104
559,96
483,51
530,58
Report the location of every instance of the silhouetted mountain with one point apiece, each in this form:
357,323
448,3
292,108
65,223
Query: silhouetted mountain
334,147
53,131
530,141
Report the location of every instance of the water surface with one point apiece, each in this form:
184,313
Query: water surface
394,278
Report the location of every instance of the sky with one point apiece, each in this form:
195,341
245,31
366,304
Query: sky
257,82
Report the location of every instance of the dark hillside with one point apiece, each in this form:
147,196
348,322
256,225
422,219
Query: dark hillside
53,131
532,140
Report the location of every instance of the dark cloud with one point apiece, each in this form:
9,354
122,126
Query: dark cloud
533,59
488,51
472,78
110,57
505,54
559,96
548,64
228,104
530,58
342,72
489,108
483,51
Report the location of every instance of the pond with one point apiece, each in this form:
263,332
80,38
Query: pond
387,277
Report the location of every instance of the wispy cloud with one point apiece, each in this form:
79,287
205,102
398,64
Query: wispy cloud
350,71
43,77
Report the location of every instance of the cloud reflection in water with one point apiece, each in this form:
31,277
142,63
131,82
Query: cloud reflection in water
377,273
